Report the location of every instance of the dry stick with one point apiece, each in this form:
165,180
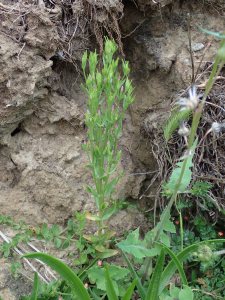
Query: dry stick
151,183
192,61
27,261
206,48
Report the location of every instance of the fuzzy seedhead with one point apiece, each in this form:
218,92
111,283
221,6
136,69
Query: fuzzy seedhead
191,102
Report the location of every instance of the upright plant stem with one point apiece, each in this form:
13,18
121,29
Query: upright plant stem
195,122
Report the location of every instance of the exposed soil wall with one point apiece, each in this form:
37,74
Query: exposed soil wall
42,104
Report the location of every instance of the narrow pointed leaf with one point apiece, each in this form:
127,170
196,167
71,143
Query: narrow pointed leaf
64,271
111,293
134,275
177,263
182,256
128,294
153,288
35,288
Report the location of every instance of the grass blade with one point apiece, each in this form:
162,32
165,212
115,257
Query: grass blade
134,275
182,256
129,291
111,293
64,271
153,288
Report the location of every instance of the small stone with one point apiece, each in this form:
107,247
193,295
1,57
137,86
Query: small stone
196,47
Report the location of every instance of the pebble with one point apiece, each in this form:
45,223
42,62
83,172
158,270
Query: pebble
196,46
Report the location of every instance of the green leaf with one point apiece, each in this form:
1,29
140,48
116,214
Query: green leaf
182,256
107,213
57,242
66,244
91,238
109,285
186,293
107,253
164,238
218,35
106,236
153,288
64,271
15,266
134,275
129,292
136,247
35,288
89,189
39,236
109,187
55,230
186,179
97,274
177,263
44,226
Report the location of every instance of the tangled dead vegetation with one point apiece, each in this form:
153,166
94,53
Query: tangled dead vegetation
75,22
209,158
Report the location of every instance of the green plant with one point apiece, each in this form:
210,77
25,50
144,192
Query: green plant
104,122
104,127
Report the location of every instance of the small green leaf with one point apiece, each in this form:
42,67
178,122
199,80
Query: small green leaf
109,187
89,189
106,236
57,242
66,244
55,230
91,238
107,214
39,236
44,226
107,253
37,230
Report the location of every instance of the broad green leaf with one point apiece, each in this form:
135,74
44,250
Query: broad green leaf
216,34
107,213
64,271
182,256
109,285
186,293
97,274
137,248
174,291
134,275
153,288
35,288
89,189
57,242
